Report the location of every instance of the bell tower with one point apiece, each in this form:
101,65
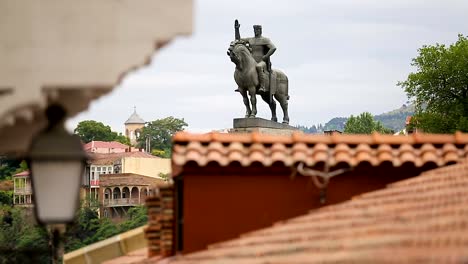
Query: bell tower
133,126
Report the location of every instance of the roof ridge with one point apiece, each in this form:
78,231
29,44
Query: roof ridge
296,137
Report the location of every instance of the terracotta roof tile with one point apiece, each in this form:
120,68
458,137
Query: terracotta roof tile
125,179
418,220
23,173
107,159
351,150
105,144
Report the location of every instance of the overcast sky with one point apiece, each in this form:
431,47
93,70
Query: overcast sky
341,57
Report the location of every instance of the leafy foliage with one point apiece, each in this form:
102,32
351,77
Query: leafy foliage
8,167
439,87
165,176
6,197
364,124
90,130
88,228
137,216
21,240
161,153
160,133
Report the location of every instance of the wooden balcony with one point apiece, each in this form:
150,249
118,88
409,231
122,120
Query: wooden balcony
121,202
24,190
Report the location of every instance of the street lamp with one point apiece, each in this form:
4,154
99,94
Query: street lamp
57,161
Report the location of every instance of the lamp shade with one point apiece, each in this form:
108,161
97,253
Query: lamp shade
57,163
56,189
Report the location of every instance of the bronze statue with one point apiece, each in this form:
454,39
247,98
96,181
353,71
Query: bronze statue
253,73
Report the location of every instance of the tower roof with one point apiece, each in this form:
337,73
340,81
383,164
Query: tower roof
134,119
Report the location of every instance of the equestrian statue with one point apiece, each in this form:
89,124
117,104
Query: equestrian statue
254,75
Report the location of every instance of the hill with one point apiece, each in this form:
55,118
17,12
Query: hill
395,120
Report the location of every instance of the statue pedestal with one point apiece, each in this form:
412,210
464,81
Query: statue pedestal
255,124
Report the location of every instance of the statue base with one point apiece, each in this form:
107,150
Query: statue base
255,124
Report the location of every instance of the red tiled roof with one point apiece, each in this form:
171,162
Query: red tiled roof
351,150
105,144
125,179
107,159
23,173
423,219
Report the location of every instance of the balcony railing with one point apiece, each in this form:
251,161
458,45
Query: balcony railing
24,190
121,202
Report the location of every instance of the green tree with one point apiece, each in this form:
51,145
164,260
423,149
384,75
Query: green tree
90,130
122,139
137,216
88,228
22,240
6,197
439,87
160,133
8,167
364,124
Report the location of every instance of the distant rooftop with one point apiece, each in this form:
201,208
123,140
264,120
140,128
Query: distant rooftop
106,159
134,118
104,144
23,173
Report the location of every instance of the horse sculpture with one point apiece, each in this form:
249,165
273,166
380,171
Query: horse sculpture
246,77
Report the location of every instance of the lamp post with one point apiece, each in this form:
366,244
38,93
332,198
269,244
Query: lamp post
57,161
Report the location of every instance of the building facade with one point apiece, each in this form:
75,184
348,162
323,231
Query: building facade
126,164
120,192
22,189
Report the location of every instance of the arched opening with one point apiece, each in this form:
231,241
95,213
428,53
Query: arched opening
134,195
125,193
116,193
144,194
107,195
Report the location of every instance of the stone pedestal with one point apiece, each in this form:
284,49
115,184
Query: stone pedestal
248,125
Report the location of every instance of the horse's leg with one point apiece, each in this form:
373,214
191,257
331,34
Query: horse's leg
246,102
283,100
272,104
253,101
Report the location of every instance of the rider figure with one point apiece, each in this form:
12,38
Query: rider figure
262,49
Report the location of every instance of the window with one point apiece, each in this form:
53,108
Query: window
98,169
104,169
92,175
